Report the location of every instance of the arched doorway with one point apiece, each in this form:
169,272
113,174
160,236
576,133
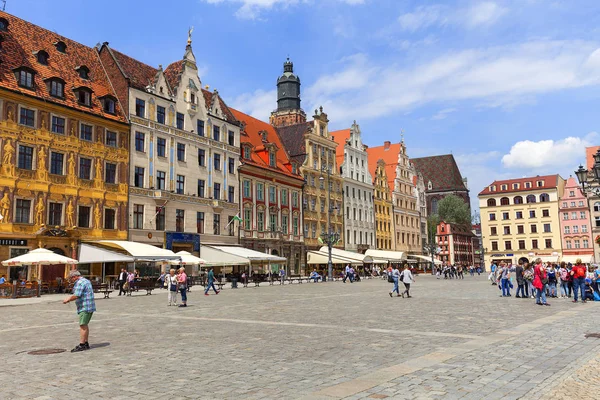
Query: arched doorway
51,272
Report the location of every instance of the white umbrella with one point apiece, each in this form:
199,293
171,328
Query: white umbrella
39,257
187,259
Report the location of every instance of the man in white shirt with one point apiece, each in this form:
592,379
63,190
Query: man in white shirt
347,274
407,278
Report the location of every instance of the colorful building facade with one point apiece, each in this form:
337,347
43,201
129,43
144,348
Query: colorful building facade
456,244
575,224
65,148
382,198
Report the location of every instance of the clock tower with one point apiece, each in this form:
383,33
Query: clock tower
288,110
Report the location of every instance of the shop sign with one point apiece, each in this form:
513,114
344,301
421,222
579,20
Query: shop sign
13,242
497,255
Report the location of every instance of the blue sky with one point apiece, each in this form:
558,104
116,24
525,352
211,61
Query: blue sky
510,87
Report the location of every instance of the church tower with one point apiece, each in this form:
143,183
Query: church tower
288,99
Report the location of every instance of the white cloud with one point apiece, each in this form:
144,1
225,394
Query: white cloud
442,114
550,154
472,16
252,9
497,76
259,103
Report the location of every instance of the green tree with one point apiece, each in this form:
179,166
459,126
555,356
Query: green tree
454,210
432,222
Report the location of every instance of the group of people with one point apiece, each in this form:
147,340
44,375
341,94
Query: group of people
396,276
451,272
543,280
127,280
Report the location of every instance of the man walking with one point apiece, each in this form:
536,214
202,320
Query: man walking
122,279
347,274
281,275
407,278
83,295
395,276
210,283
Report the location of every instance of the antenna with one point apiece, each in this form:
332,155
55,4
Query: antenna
3,5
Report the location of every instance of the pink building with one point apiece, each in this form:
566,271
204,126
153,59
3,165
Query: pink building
575,224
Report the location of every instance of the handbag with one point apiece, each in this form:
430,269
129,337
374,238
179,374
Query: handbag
390,278
173,287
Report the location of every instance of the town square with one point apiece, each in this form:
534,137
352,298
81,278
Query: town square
300,199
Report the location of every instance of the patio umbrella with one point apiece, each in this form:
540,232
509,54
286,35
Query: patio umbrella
187,259
39,257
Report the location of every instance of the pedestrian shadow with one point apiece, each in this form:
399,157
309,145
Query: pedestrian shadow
99,345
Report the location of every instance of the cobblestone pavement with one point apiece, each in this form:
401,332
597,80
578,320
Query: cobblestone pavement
453,339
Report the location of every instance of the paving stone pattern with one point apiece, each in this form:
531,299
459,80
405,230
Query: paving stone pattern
453,339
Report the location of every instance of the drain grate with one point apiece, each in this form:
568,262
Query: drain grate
592,335
43,352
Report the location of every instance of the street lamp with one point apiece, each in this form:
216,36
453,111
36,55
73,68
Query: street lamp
582,176
329,237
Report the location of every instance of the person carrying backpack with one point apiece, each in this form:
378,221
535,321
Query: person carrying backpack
578,273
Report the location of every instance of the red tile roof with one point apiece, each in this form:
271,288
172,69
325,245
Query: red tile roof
389,154
589,156
173,74
208,99
260,154
340,137
20,43
292,137
140,75
550,181
442,171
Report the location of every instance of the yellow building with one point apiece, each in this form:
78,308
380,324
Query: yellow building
520,219
384,230
64,143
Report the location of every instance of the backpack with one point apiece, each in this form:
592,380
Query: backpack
528,275
390,278
401,276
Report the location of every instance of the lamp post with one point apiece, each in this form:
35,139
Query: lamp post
329,237
582,176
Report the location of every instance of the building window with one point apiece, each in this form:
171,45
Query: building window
23,211
295,199
247,219
548,243
160,218
161,180
518,200
231,138
531,198
217,224
57,89
507,230
246,151
27,117
576,229
57,163
217,191
493,231
160,115
544,198
25,157
520,229
201,157
231,194
216,133
200,127
545,213
246,189
161,147
273,222
199,222
495,246
180,187
597,206
180,121
519,215
85,168
61,46
83,72
571,193
284,224
109,218
569,244
180,152
217,162
3,24
138,177
84,97
533,228
531,213
295,226
566,216
83,217
504,201
231,165
231,226
111,139
546,227
597,222
109,105
582,215
260,221
260,194
584,228
26,79
42,57
567,230
574,215
586,243
284,197
505,216
110,173
272,195
272,159
86,132
58,125
140,140
179,220
138,216
201,187
140,108
55,214
534,244
521,245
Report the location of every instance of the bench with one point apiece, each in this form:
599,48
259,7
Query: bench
102,288
147,285
293,278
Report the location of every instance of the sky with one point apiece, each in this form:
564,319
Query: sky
510,87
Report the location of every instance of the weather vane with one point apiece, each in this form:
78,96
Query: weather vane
402,135
190,34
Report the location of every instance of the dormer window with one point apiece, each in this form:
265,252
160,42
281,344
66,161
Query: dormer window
192,98
109,104
263,135
272,159
42,57
61,46
84,96
246,153
294,168
3,24
56,87
25,78
83,71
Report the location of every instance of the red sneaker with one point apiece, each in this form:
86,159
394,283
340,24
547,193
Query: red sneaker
218,292
206,294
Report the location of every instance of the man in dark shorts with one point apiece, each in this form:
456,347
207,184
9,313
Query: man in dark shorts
83,295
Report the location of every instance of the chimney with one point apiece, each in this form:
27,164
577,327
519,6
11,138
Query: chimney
386,145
